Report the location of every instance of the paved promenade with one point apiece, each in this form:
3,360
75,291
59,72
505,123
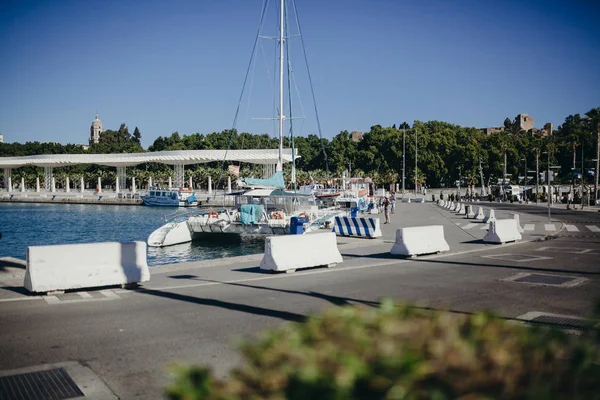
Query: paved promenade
192,313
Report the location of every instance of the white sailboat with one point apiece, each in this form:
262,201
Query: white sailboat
265,208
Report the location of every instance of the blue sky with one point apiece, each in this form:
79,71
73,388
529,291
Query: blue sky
179,65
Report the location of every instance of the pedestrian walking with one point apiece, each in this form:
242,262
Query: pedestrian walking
386,210
393,204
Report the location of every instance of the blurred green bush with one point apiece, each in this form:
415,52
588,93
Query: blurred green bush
401,352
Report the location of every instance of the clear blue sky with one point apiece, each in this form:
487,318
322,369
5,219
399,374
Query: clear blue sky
178,65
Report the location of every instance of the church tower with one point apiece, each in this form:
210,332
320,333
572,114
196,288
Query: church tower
95,130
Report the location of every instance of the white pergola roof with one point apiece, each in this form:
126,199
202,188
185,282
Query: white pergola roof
177,157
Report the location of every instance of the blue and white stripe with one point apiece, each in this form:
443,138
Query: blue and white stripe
360,227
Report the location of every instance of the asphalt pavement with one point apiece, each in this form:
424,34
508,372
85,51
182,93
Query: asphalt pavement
195,312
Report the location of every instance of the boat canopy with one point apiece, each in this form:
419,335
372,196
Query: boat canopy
275,181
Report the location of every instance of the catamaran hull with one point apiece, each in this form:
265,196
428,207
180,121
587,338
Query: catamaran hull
239,229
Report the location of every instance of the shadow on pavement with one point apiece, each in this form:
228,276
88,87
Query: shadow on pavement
518,267
335,300
284,315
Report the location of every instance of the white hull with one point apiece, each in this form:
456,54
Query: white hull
228,223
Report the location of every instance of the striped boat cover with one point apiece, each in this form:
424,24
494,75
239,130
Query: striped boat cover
361,227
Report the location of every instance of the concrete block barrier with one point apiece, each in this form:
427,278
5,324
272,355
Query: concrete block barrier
479,215
406,200
456,207
491,217
418,240
357,227
419,200
292,252
502,231
516,217
469,211
450,205
461,209
78,266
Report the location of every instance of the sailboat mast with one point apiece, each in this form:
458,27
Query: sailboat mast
281,117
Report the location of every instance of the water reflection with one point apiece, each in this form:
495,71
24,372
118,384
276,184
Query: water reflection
24,224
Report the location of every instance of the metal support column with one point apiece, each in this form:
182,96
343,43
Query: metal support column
8,179
122,175
47,179
179,175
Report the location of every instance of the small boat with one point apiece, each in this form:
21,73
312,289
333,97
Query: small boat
176,197
327,195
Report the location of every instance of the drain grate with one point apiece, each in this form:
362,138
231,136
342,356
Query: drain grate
544,279
562,321
53,384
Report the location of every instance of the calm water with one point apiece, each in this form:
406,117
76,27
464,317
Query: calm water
23,225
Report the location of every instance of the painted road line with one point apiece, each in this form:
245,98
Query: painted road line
469,226
571,228
109,294
52,299
485,226
550,227
528,227
593,228
84,295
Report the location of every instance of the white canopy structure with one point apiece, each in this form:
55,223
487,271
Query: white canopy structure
177,158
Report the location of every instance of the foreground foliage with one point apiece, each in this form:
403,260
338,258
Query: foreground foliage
399,352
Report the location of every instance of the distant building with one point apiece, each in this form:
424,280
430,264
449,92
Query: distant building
356,136
525,122
489,131
1,138
95,130
547,130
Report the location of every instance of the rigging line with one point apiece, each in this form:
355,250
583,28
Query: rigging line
289,68
237,111
311,87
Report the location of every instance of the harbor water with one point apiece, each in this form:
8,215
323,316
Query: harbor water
23,225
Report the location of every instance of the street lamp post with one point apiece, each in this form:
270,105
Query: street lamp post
537,175
524,176
582,173
548,196
597,165
416,158
403,158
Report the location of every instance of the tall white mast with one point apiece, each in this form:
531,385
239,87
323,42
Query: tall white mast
281,117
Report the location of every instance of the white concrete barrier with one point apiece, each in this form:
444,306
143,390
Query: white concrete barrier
419,200
78,266
490,218
461,210
469,211
479,215
516,217
419,240
456,207
406,200
450,205
357,227
502,231
292,252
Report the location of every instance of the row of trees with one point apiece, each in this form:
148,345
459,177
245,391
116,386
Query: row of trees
445,152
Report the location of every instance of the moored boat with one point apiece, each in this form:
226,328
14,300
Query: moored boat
176,197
